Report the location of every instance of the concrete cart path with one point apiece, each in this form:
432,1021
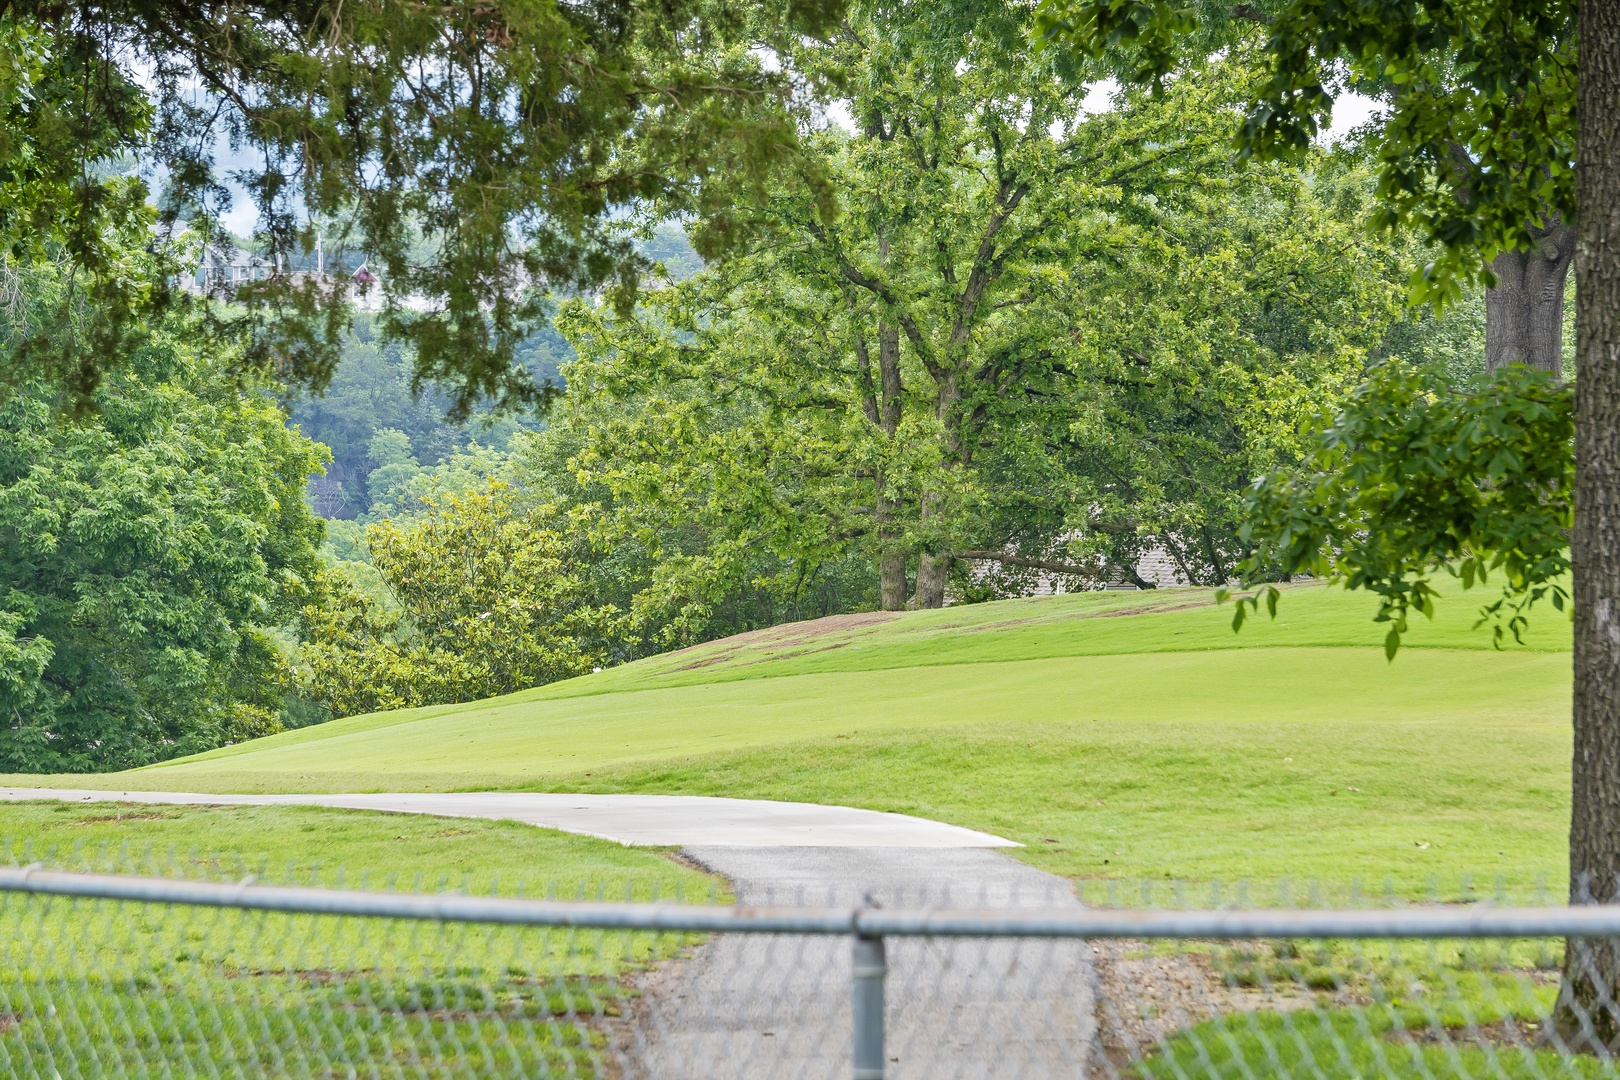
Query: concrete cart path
750,1007
655,820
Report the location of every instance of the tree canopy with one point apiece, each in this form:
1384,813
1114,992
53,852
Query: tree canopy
149,555
1477,148
475,153
1031,340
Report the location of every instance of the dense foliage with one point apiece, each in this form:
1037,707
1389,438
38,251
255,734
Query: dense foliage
148,555
1417,479
1032,340
372,391
500,139
491,598
1477,147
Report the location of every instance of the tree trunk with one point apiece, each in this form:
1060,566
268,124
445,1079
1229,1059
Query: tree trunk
892,580
931,571
1524,313
931,567
1587,1013
891,559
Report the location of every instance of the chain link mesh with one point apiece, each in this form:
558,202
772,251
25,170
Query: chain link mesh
97,988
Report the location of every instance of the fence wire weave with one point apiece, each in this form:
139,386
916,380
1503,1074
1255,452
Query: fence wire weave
239,980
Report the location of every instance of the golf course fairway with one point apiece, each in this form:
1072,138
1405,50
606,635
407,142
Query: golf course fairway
1127,735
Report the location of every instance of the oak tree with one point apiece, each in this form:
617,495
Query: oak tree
1028,341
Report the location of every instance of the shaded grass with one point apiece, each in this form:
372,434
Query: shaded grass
101,988
1438,1009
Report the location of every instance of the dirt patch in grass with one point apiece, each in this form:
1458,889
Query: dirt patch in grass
134,815
1500,1034
788,634
1143,998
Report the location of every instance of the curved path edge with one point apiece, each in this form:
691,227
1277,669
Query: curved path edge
636,820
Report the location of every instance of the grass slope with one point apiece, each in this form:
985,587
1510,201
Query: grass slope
1115,734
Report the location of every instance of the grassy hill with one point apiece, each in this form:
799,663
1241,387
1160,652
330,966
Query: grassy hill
1115,734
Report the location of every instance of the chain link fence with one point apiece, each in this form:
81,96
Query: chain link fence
139,976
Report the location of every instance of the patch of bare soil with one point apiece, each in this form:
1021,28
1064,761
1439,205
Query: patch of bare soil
787,634
626,1028
1153,607
1501,1034
1143,998
132,815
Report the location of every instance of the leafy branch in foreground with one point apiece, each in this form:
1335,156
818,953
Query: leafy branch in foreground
475,154
1476,146
1413,478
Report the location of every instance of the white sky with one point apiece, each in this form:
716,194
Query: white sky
1349,110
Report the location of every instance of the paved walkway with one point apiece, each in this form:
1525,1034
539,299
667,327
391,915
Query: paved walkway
748,1006
780,1006
653,820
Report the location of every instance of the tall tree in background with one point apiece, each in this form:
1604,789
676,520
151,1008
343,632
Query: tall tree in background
471,150
907,379
1530,91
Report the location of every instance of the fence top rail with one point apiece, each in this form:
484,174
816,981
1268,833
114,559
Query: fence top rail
1460,921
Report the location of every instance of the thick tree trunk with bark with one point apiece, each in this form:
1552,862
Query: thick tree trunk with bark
891,560
1524,313
1587,1010
931,570
882,406
892,580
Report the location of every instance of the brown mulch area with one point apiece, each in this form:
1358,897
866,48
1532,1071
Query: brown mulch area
1502,1034
1143,998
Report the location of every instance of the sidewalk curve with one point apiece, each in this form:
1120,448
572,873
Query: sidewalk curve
650,820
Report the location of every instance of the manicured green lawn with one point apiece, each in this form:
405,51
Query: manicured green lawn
1122,735
297,845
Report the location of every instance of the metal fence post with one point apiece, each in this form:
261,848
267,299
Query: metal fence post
869,968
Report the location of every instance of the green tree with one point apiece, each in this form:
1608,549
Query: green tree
148,556
469,150
491,599
907,379
684,578
1503,128
395,469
